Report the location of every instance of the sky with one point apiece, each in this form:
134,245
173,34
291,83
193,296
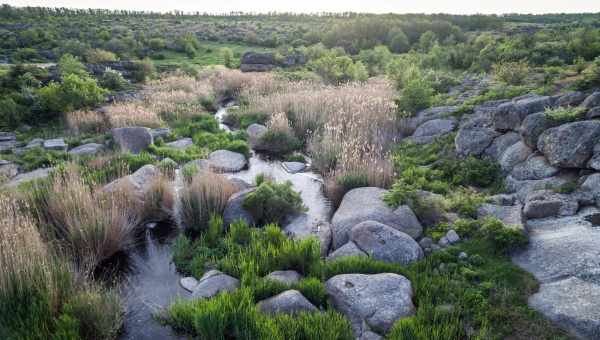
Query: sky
311,6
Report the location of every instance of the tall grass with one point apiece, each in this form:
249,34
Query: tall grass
92,227
206,195
131,114
348,128
41,296
158,200
86,122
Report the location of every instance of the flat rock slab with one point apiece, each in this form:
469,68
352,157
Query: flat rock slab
371,302
564,255
27,177
87,149
293,167
57,144
227,161
181,144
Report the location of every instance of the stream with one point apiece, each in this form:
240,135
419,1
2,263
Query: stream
152,281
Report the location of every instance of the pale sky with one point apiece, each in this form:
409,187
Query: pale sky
371,6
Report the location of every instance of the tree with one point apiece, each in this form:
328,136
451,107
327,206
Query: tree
427,41
75,92
376,59
68,64
399,42
227,56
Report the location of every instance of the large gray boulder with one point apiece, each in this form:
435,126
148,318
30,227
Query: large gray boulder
138,182
510,215
547,203
535,167
474,137
371,302
515,154
564,257
500,144
522,188
288,277
347,250
366,204
132,139
213,283
570,145
509,116
593,113
592,101
385,243
533,126
591,184
255,132
430,130
227,161
305,225
290,302
87,149
234,210
571,99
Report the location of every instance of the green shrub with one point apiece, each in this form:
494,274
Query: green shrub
591,76
469,171
40,158
562,115
222,141
504,239
167,167
178,155
278,143
349,181
272,202
199,123
295,158
73,93
113,80
359,265
511,72
416,95
242,120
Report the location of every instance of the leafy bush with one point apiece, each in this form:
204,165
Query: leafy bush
38,157
272,202
278,143
97,56
190,153
222,141
504,239
562,115
242,120
416,95
113,80
591,76
73,93
511,72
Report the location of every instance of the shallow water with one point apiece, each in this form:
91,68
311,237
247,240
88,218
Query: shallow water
152,282
151,286
310,185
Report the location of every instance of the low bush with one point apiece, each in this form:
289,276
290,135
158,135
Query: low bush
511,72
104,169
242,120
562,115
278,143
272,202
38,157
158,201
222,141
73,93
416,95
178,155
205,196
504,239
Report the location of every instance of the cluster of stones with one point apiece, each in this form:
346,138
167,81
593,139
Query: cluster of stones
539,156
12,172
